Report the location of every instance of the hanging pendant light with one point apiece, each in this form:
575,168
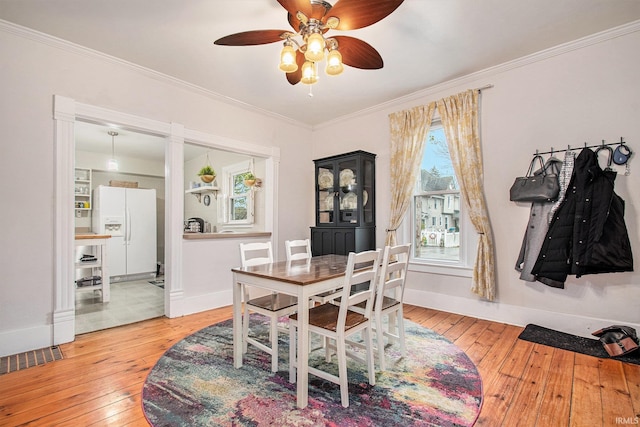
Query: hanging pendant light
112,164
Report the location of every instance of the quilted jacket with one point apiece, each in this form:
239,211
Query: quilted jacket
588,234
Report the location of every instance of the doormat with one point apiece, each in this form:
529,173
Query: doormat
564,341
158,283
28,359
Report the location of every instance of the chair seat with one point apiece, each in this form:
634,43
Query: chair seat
326,317
273,302
387,302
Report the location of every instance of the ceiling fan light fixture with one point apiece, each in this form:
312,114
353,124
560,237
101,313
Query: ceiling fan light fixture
334,63
309,73
315,47
288,58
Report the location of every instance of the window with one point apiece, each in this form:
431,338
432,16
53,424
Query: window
440,228
238,206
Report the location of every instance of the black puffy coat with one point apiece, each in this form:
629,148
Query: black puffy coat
588,234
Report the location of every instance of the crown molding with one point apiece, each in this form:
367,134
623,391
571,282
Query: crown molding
58,43
581,43
487,73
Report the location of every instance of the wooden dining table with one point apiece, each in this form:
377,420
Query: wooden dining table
302,278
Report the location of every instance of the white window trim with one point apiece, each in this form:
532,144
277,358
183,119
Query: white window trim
468,244
228,172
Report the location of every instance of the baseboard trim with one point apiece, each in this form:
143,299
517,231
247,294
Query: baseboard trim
511,314
27,339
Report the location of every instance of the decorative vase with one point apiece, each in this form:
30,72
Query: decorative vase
207,178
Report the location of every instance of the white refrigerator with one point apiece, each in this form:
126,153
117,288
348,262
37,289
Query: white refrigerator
129,216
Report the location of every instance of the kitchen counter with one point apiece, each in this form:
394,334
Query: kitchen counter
225,235
92,236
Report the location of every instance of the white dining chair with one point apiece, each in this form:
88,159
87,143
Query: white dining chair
388,300
301,249
272,306
297,249
338,322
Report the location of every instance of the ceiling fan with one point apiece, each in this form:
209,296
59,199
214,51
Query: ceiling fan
311,19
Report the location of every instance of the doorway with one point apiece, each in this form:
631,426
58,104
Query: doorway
117,160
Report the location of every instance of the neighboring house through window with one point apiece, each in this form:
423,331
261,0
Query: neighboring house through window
439,224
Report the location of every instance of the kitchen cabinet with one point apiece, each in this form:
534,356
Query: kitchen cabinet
82,189
344,204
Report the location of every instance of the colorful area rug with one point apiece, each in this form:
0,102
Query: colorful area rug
28,359
195,384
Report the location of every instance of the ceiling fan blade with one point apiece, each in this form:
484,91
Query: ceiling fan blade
293,6
310,10
354,14
251,38
294,78
358,54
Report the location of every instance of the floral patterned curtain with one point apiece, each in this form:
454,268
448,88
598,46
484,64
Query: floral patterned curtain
459,115
409,130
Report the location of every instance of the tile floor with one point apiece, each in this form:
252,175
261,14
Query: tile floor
130,302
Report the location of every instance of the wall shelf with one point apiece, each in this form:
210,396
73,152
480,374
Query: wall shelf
82,190
203,189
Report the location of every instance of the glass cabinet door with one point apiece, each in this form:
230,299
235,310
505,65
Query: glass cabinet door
349,191
368,191
345,189
326,194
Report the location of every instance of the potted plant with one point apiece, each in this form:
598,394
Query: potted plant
207,174
249,179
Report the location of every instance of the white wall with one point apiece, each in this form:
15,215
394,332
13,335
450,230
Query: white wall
41,67
565,96
580,94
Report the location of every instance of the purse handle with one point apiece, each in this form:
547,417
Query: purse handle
539,158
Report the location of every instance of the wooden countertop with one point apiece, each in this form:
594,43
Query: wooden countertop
92,236
233,235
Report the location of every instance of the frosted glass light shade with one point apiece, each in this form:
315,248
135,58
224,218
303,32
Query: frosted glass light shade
112,165
288,59
315,48
309,73
334,63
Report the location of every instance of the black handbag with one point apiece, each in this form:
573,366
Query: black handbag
535,187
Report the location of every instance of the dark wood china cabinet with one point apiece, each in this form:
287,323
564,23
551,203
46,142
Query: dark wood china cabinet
345,204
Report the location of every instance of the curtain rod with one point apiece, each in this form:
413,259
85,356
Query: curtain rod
480,89
580,148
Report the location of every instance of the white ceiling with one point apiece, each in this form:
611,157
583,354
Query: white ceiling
423,43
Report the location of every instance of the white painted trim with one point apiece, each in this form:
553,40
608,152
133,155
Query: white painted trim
66,111
68,46
487,73
208,302
64,295
27,339
174,226
510,314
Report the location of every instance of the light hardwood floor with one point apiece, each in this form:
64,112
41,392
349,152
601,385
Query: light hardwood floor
99,382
